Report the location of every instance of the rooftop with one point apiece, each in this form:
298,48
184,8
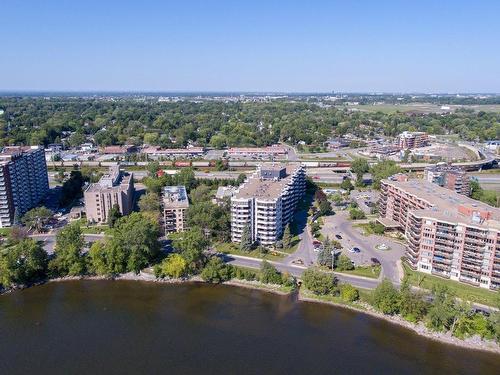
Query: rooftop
113,180
175,196
266,188
447,203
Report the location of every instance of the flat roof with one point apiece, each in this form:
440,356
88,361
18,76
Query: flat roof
175,196
444,202
265,188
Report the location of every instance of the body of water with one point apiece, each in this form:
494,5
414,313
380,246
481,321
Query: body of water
128,327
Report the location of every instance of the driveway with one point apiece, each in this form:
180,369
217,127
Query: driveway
351,237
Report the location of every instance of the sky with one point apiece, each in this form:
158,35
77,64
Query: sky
260,46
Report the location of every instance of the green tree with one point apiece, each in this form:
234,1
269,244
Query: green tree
246,239
173,266
23,263
191,245
344,263
114,215
98,259
153,167
269,274
216,271
325,257
37,218
359,167
325,208
69,259
149,202
356,214
411,305
386,298
347,185
348,293
241,178
287,237
443,310
318,282
383,170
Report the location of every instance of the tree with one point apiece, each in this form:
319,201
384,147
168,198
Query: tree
386,298
173,266
269,274
37,218
356,214
137,237
69,259
325,257
344,263
359,167
383,170
337,198
287,237
443,311
246,239
241,178
216,271
201,193
325,208
149,202
191,245
211,218
23,263
114,215
318,282
98,259
411,305
348,293
347,185
153,167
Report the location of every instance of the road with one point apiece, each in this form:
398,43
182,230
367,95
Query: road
351,237
49,239
297,270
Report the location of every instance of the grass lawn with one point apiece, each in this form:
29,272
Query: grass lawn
364,296
462,291
4,231
91,229
366,271
230,248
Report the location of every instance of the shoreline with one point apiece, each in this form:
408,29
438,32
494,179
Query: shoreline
471,343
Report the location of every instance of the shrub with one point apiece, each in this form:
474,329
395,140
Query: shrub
216,271
319,282
269,274
348,293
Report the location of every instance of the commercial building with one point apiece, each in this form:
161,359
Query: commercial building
23,181
410,140
175,205
449,235
114,188
274,151
265,203
173,153
449,177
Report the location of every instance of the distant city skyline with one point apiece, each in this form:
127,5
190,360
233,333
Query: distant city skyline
251,47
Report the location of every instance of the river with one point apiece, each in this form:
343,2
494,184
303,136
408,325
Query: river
130,327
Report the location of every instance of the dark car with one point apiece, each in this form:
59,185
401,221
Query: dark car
375,261
338,236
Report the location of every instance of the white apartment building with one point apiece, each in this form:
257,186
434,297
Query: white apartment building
175,205
266,202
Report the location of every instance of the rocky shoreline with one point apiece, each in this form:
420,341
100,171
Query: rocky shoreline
472,343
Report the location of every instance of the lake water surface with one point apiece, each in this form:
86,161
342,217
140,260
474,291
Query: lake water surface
129,327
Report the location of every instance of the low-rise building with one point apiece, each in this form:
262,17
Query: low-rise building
449,235
114,188
265,202
410,140
175,205
450,177
269,152
173,153
223,194
118,150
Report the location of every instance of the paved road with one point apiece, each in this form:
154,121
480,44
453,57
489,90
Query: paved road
305,250
351,237
49,240
297,270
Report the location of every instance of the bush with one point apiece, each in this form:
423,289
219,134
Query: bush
356,214
386,298
348,293
344,263
244,274
288,280
173,266
216,271
319,282
269,274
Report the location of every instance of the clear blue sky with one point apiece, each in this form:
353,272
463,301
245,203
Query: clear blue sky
425,46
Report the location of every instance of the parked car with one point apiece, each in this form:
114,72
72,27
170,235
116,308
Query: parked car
355,250
375,261
338,236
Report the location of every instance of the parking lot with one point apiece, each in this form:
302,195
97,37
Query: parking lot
365,199
340,225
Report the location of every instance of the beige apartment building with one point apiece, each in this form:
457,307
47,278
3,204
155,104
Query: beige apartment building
266,202
449,234
115,187
410,140
175,205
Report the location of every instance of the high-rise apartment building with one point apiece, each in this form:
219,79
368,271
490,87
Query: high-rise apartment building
265,203
114,188
449,177
409,140
23,181
449,234
175,205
